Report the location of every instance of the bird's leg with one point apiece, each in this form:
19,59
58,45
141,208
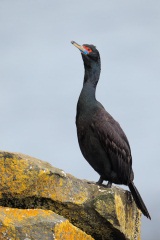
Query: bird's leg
109,184
100,181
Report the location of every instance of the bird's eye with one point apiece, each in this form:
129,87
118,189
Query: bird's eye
88,49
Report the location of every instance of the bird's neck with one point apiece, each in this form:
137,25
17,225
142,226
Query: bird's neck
91,77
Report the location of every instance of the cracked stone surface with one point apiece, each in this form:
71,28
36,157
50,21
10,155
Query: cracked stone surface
105,214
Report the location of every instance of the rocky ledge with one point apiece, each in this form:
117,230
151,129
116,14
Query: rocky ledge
41,202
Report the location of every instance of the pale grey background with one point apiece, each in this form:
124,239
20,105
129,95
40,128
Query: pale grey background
41,76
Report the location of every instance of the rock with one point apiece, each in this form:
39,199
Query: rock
37,224
105,214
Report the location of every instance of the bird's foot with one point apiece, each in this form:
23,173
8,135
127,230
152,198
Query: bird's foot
109,185
100,181
90,182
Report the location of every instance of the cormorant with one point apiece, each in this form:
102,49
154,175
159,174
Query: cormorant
101,139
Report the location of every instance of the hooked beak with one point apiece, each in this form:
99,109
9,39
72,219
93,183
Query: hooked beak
81,48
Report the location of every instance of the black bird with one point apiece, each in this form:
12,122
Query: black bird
101,139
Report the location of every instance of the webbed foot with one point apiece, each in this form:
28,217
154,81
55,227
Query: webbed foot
109,184
100,181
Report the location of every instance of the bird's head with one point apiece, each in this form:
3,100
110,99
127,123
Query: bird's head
89,53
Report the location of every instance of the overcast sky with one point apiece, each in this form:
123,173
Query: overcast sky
41,76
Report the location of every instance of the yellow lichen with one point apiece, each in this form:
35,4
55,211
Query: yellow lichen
67,231
120,211
38,183
15,174
21,175
127,219
12,219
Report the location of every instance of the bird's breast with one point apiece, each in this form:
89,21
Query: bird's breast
91,148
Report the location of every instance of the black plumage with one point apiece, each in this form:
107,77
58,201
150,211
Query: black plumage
101,139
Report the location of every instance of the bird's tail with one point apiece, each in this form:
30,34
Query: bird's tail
138,200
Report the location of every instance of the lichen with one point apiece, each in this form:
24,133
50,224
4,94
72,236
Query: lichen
27,182
66,231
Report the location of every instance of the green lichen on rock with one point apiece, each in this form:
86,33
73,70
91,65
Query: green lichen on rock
105,214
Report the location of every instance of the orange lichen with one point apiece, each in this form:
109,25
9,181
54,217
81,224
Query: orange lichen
32,183
11,216
67,231
12,219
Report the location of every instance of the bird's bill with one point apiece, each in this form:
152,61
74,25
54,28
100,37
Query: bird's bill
81,48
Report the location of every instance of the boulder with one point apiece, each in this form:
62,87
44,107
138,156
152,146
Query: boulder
37,224
105,214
